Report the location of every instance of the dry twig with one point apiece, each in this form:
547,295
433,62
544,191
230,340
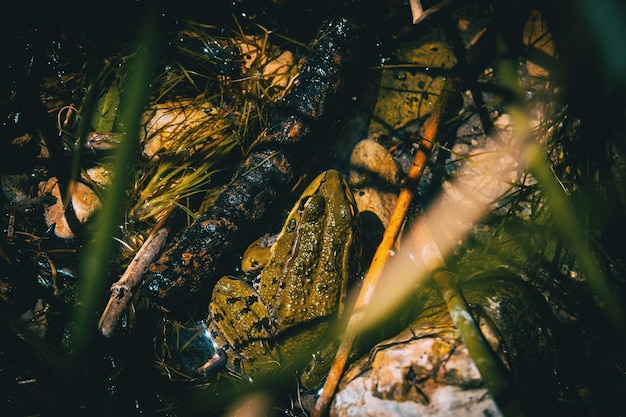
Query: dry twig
122,290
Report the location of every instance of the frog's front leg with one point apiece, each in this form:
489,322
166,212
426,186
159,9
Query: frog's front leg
242,330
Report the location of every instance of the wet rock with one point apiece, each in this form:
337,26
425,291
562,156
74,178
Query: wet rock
427,370
374,178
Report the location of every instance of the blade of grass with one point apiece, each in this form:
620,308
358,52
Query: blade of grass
96,255
495,377
559,204
491,370
87,110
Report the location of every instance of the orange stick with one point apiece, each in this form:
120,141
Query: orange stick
392,231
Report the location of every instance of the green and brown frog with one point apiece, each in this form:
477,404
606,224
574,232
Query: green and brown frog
301,288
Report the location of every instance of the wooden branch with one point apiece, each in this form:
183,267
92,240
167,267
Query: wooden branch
186,271
418,13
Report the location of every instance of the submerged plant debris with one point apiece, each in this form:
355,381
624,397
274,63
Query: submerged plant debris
246,103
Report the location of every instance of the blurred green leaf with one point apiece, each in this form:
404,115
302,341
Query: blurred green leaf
96,255
563,212
607,21
106,110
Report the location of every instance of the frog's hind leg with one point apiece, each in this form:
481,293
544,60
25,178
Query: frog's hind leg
242,329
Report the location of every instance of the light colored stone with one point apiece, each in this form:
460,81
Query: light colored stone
422,372
374,179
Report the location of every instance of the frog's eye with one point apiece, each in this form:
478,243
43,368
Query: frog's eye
312,207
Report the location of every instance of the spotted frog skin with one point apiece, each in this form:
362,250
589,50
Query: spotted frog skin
301,288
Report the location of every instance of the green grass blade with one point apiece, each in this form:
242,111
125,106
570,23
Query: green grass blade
97,253
560,206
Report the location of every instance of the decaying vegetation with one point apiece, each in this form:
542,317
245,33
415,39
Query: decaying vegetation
136,167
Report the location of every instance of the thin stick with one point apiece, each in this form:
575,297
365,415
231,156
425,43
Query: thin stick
396,220
417,11
122,290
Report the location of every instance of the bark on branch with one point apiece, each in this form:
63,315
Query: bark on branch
190,267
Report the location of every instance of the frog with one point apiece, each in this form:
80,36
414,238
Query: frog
260,326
